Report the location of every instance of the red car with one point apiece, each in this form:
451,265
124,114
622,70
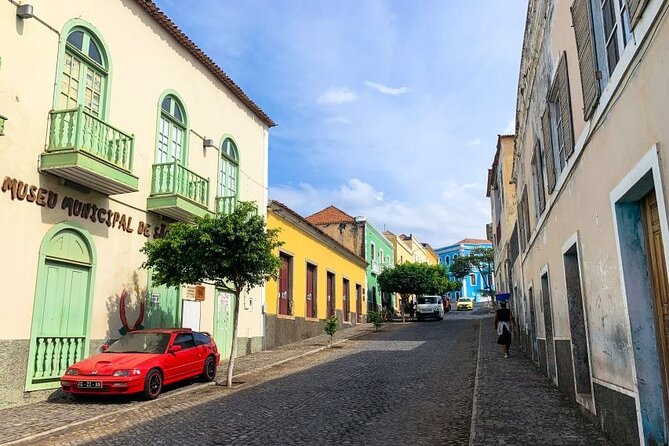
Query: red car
143,362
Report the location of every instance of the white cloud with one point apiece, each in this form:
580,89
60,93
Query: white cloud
339,120
337,96
454,212
385,89
474,142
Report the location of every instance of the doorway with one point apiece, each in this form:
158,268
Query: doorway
224,312
62,308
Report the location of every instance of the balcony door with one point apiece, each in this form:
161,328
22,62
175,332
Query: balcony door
83,78
171,132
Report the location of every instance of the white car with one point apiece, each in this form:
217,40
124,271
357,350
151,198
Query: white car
430,306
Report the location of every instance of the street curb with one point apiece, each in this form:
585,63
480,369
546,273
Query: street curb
472,426
172,394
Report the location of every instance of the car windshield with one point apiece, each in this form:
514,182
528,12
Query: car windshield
429,300
138,342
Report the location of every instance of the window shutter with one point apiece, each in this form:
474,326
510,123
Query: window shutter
581,15
635,8
565,106
540,177
548,150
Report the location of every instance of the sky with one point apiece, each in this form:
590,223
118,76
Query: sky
387,109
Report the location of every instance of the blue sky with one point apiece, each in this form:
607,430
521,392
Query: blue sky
388,109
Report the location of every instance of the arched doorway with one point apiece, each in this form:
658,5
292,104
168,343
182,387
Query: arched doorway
62,308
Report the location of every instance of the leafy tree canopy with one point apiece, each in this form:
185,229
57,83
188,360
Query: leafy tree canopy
415,278
233,252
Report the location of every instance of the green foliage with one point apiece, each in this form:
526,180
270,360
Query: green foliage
233,251
376,318
414,278
460,268
330,327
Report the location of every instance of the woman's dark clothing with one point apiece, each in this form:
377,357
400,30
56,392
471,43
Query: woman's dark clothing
504,315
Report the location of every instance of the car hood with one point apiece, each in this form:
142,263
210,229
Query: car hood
106,363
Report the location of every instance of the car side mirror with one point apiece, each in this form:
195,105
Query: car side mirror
175,348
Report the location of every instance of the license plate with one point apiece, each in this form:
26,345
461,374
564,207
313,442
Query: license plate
89,384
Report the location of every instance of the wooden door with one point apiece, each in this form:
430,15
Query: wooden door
61,310
331,294
311,291
284,285
658,277
224,313
345,298
163,308
358,303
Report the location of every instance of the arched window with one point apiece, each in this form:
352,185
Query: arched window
171,131
227,169
84,73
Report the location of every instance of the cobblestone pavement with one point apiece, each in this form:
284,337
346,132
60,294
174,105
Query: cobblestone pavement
517,405
381,388
61,410
410,383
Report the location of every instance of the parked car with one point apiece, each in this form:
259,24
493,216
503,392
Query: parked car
143,362
465,304
447,304
429,306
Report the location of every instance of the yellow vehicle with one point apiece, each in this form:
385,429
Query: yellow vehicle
465,304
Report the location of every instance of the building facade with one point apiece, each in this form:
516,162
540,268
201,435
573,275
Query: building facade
361,237
319,278
100,154
476,281
591,132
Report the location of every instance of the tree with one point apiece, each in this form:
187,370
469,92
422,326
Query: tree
479,259
233,252
414,278
330,328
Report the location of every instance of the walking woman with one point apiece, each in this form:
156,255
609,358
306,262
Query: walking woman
503,323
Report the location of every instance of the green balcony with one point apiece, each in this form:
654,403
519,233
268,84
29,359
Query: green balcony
88,151
178,193
225,205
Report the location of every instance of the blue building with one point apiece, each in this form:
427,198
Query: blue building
473,284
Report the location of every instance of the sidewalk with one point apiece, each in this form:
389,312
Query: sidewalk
514,404
61,410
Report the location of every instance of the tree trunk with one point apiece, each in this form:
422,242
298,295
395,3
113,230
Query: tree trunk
233,350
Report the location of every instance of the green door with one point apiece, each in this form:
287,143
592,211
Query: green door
60,314
162,308
223,319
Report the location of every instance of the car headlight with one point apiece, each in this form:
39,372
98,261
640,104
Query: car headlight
72,371
133,372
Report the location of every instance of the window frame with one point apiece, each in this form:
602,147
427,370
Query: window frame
173,123
224,159
621,30
90,33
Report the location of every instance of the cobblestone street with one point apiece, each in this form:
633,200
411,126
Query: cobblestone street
411,383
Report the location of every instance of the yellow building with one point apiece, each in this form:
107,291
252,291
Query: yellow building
117,125
431,256
319,278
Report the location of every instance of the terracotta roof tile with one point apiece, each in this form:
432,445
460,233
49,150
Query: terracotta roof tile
472,241
163,20
330,214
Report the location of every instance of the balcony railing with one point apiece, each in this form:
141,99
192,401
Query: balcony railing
174,179
79,130
226,205
53,355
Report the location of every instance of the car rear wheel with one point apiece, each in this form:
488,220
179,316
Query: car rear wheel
209,370
153,384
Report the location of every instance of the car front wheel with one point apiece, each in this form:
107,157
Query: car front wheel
209,370
153,384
